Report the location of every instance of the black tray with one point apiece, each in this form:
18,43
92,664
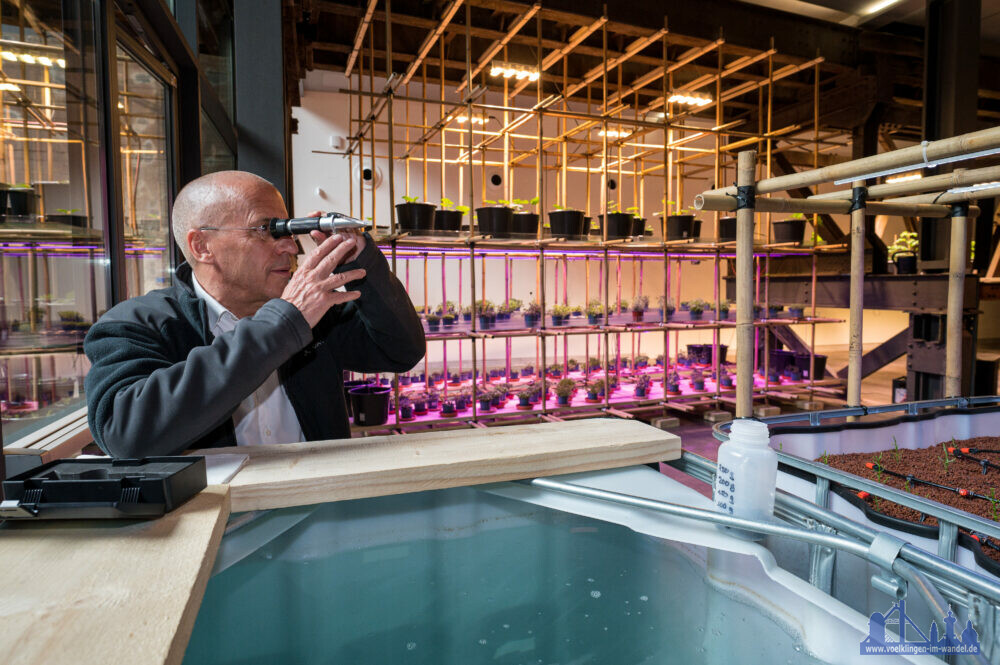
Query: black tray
103,488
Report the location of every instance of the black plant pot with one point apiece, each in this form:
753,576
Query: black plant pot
789,230
348,386
415,216
495,221
779,360
566,223
906,264
447,220
802,362
638,226
619,225
680,226
370,404
525,223
727,229
22,200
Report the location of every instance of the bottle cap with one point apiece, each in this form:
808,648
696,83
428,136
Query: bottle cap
750,431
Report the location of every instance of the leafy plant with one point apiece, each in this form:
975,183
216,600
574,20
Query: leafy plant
640,303
696,307
521,203
797,215
906,242
431,317
897,454
533,308
993,503
634,210
410,199
514,304
877,467
825,458
562,310
666,304
595,308
485,307
643,382
565,388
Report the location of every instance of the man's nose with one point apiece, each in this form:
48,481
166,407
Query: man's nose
286,245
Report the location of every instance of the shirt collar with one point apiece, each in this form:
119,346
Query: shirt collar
215,309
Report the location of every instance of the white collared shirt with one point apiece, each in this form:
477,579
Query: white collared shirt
266,416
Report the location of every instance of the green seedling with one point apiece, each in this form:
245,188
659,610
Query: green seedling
411,199
446,203
489,202
896,452
993,503
878,467
877,502
825,458
946,460
462,209
797,215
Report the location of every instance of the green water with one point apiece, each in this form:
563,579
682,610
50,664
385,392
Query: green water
517,585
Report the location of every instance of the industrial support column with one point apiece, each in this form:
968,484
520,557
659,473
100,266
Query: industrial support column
857,294
745,165
956,300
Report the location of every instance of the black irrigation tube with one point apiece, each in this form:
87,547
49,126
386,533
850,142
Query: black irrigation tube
910,479
962,453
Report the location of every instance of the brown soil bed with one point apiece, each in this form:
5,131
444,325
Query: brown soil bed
929,464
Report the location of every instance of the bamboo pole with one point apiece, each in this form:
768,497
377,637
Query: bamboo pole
857,302
956,301
726,202
745,164
904,159
944,181
947,199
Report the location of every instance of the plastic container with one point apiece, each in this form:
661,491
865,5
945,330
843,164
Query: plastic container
370,404
748,469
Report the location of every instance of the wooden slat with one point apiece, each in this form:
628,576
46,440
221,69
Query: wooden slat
108,592
297,474
55,426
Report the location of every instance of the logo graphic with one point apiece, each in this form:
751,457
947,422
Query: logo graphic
878,644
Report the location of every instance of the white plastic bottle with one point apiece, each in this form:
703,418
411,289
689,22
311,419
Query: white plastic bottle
747,472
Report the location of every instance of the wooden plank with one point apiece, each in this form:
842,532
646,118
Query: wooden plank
296,474
32,439
108,591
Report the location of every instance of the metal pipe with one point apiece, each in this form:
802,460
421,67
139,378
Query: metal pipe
746,161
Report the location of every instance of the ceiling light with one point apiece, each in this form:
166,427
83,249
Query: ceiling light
689,100
613,133
508,70
45,60
61,62
28,58
904,177
9,87
476,119
879,6
7,55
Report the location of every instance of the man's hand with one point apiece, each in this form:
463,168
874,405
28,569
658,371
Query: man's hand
311,288
319,236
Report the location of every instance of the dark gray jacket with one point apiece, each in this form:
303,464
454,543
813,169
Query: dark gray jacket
160,382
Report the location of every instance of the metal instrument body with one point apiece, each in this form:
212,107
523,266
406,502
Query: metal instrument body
331,222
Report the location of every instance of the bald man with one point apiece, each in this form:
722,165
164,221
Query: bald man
242,350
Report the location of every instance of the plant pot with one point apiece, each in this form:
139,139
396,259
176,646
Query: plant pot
530,320
448,409
773,312
448,322
727,229
637,316
698,385
370,404
593,319
619,225
789,230
348,385
485,405
523,400
779,360
796,312
525,223
447,220
680,226
485,321
514,375
406,413
558,320
415,216
22,200
638,226
567,223
405,379
433,326
640,392
726,382
695,316
562,400
461,404
495,221
673,389
906,264
466,317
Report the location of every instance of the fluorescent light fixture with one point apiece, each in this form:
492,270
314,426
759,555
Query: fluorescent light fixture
9,87
7,55
904,178
61,62
476,119
689,100
27,58
31,59
613,133
920,165
879,6
508,70
45,60
974,188
120,105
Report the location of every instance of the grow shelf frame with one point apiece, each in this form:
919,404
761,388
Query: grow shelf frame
371,105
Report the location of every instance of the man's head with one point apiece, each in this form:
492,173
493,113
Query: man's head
213,218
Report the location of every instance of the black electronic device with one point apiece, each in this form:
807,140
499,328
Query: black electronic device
103,488
331,222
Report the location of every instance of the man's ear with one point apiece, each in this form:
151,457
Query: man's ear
198,246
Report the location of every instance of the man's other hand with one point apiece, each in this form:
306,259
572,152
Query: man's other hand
311,288
320,236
